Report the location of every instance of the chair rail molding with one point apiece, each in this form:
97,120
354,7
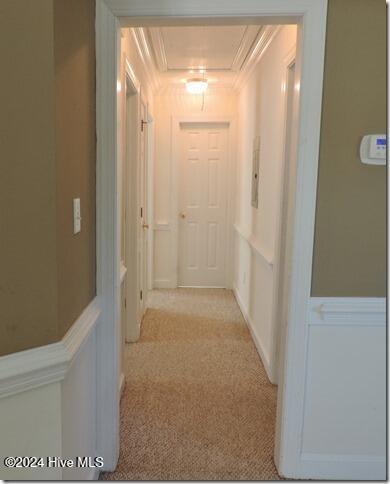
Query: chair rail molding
253,243
347,310
33,368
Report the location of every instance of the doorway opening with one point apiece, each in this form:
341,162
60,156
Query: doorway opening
215,210
247,251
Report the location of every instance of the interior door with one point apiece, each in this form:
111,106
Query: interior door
143,210
202,204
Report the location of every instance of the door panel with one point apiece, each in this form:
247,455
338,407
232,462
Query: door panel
212,245
202,205
193,183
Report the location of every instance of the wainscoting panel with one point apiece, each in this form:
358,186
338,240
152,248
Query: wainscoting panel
48,403
253,289
79,411
344,432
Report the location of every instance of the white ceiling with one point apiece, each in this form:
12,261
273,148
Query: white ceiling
182,52
213,47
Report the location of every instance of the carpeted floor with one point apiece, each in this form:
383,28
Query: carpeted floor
197,403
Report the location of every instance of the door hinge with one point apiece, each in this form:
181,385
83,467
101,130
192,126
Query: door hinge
143,124
142,212
140,295
125,303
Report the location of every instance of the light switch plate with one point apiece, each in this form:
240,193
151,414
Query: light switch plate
76,216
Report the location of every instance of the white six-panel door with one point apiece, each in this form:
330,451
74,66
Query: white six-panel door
202,204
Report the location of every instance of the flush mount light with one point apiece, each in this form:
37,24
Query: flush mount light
196,85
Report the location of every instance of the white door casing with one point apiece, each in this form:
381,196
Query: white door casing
202,204
131,124
283,240
310,16
289,196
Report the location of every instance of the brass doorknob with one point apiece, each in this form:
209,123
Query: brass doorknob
145,226
182,215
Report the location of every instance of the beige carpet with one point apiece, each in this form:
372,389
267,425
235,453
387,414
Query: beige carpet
197,403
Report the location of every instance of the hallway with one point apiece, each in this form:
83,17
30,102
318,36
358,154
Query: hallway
197,403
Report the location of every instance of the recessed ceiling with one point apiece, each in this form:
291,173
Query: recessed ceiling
221,51
211,48
224,55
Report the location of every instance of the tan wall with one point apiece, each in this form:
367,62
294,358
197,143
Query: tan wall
350,238
28,270
47,140
74,54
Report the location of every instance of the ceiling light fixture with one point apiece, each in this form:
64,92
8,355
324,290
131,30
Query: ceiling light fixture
196,85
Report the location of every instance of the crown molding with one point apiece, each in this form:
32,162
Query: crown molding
244,49
33,368
260,45
158,48
143,50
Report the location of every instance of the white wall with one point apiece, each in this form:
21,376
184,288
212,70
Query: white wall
174,103
261,112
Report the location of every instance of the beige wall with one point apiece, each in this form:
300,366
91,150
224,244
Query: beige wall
47,140
74,55
28,269
350,238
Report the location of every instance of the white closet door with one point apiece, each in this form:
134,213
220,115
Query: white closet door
202,205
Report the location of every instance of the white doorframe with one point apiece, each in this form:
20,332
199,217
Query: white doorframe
132,202
310,15
230,188
289,59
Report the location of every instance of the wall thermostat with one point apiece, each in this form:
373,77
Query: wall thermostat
373,149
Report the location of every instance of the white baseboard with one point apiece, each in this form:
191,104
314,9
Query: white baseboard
342,467
163,284
254,335
94,475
